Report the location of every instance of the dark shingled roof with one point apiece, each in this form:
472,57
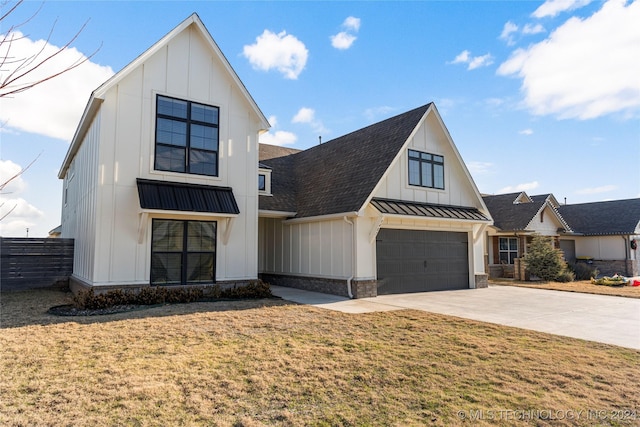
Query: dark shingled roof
174,196
603,218
339,175
508,216
283,183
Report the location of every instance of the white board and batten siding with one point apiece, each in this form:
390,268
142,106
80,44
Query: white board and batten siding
185,68
325,248
79,202
318,249
429,137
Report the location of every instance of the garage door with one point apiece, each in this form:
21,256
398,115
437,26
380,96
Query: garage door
420,261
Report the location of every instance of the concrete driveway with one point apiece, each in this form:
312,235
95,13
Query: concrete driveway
601,318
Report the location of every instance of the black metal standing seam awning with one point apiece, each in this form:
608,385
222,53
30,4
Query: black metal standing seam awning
175,196
430,210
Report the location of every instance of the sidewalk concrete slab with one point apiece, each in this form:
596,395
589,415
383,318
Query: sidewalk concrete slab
600,318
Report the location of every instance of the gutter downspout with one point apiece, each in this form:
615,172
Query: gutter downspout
353,255
627,254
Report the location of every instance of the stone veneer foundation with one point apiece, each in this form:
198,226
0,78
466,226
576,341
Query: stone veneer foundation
482,280
77,285
359,288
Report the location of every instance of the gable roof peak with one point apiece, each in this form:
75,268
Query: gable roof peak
97,96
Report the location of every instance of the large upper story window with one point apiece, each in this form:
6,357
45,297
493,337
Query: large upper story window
426,170
186,137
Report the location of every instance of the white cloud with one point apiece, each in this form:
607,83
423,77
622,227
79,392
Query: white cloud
465,57
526,132
507,31
8,170
597,190
344,39
480,168
352,23
585,68
552,8
462,58
279,137
304,115
20,213
533,29
480,61
282,51
307,115
52,108
520,187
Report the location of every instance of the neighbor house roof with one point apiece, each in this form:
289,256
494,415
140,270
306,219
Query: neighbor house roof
340,175
510,216
603,218
98,95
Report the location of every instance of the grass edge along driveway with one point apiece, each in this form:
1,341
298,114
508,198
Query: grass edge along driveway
268,362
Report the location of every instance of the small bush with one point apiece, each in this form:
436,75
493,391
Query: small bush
566,276
543,260
584,271
160,295
255,289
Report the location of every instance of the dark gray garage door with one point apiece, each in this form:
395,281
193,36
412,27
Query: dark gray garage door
420,261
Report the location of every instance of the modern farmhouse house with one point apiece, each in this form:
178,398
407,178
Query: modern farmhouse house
165,183
390,208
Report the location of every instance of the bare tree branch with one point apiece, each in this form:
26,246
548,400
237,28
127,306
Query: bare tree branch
23,170
15,82
7,214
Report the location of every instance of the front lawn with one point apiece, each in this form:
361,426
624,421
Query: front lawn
268,362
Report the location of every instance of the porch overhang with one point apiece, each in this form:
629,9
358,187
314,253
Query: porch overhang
388,207
181,197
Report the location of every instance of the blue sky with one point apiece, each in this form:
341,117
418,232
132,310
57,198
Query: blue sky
538,96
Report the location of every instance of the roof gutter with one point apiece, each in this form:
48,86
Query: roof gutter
320,218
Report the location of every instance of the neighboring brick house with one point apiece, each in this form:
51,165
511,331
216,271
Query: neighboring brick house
605,233
517,217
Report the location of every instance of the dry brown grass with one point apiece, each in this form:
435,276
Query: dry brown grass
583,286
268,362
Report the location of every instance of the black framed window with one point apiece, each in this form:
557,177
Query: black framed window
262,182
186,137
508,249
426,170
183,252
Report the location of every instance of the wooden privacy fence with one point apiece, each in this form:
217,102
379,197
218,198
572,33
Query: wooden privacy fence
29,263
